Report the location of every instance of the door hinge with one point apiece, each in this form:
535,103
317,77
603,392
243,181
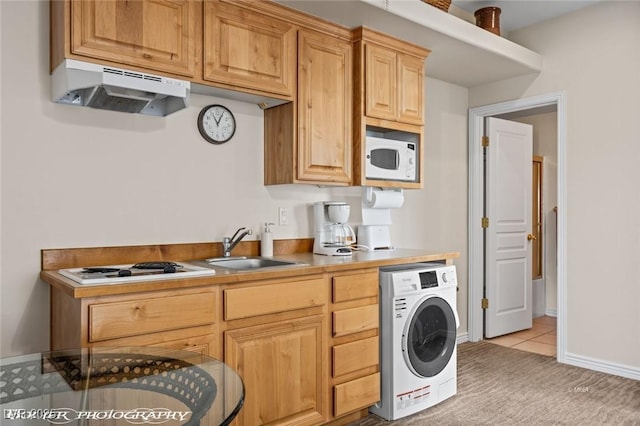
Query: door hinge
485,303
485,141
485,222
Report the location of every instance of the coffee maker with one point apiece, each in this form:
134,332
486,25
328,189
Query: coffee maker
333,236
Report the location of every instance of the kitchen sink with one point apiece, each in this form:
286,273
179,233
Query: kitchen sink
248,263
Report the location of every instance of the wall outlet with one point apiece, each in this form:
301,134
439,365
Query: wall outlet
283,216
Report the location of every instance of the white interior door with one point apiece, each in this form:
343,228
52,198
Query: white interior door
508,208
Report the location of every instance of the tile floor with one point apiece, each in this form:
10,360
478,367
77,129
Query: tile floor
541,338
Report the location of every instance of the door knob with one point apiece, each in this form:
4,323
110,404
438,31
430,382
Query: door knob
531,237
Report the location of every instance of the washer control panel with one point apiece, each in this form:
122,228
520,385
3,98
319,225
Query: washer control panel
422,277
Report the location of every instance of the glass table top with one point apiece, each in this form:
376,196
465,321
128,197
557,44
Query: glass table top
118,386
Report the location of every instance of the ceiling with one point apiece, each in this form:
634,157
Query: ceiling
516,14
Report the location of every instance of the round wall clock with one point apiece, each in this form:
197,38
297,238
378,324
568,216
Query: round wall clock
216,124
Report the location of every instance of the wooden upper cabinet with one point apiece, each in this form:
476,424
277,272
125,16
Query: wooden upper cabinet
388,97
410,89
309,140
381,79
394,85
324,109
249,50
153,34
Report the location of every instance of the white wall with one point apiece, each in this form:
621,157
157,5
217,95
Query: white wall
592,54
77,177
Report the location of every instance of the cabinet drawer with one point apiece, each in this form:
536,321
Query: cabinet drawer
356,355
356,394
356,286
272,298
205,345
354,320
134,317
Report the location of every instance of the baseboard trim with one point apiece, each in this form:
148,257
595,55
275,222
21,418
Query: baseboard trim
461,338
602,366
551,312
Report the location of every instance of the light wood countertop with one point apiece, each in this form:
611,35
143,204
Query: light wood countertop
310,265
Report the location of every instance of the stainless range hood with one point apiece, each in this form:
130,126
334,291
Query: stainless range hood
86,84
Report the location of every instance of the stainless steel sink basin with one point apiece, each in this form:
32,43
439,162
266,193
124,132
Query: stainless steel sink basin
248,263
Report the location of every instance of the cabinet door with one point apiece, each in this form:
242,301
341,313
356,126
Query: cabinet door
283,370
410,89
324,109
154,34
381,77
245,49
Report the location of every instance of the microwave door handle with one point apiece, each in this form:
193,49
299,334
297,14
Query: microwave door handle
397,160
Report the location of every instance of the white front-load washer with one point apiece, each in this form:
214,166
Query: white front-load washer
418,350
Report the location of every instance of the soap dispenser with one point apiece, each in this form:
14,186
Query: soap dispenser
266,241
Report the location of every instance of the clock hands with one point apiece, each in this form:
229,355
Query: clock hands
217,120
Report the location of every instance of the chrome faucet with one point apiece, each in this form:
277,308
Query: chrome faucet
229,243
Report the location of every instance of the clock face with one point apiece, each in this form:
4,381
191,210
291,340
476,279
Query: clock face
216,124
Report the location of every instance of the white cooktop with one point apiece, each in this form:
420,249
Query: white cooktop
113,274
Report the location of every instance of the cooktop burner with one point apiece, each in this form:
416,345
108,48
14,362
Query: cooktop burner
137,272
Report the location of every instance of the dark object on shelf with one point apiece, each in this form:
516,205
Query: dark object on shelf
157,265
99,270
488,18
440,4
124,273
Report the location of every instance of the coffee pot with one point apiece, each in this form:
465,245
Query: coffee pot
333,236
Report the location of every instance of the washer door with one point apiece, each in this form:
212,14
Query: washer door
430,337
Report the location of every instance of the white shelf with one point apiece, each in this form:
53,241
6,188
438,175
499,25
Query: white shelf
461,53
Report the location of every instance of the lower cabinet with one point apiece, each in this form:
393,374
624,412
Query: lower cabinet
355,353
282,368
174,319
275,339
306,347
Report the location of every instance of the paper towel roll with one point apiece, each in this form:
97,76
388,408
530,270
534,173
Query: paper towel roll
380,198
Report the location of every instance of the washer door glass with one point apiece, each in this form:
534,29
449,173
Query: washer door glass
430,339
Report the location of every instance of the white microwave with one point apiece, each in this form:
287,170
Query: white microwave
391,159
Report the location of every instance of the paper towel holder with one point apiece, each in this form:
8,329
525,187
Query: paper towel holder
368,192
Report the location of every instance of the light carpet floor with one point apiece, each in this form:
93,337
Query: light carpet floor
504,386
